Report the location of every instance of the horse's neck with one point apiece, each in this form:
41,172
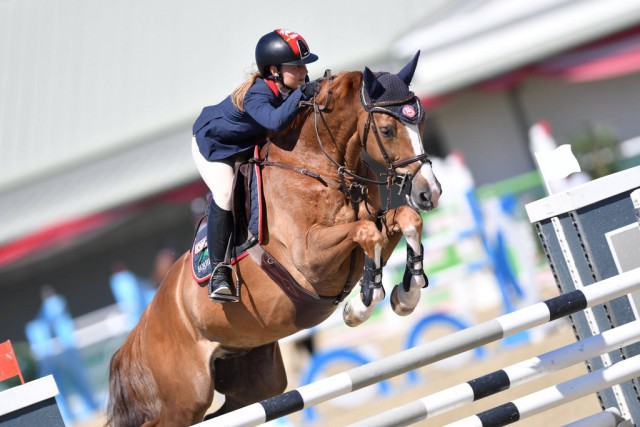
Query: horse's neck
293,153
336,143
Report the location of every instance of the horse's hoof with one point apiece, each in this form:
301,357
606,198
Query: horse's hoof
348,317
396,306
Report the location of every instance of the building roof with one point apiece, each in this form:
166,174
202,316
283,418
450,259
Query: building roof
498,36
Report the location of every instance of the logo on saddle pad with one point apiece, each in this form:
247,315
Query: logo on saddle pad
203,267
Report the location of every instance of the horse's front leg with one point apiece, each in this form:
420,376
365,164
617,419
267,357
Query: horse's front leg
359,308
336,244
405,296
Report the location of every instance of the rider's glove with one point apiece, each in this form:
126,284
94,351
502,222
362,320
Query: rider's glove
310,89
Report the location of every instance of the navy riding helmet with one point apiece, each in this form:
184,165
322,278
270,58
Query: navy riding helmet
282,47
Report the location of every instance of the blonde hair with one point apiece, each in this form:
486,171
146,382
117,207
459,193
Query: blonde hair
238,94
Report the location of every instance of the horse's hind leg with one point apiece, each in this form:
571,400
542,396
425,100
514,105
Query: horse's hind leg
187,392
249,378
181,370
405,297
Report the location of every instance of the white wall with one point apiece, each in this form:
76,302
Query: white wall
81,79
483,127
614,103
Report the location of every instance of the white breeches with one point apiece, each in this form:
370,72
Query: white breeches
217,175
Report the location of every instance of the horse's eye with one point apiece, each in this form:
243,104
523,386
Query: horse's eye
387,131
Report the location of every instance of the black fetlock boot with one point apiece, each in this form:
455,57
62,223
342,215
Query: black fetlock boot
219,223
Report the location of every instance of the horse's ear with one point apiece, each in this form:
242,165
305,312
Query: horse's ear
371,84
406,74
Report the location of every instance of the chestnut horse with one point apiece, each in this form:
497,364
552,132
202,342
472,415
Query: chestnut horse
329,229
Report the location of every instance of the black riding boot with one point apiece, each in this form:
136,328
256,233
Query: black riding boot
219,223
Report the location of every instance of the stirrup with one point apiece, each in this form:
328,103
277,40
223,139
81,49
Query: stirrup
221,291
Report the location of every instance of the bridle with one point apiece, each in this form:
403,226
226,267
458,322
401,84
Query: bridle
353,185
393,177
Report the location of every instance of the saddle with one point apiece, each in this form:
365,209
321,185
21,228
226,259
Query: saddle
248,214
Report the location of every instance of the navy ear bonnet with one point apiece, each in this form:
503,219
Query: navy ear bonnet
389,93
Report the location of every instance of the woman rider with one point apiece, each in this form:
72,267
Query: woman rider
268,100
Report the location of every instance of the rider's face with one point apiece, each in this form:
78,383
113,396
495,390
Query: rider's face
294,75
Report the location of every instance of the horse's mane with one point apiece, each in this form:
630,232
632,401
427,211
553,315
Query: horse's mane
345,85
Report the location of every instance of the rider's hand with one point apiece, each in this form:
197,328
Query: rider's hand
310,89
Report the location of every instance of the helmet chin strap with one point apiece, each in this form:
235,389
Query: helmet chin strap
278,79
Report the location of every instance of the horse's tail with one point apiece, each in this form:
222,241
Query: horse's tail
132,388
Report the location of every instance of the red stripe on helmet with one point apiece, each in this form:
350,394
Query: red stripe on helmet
291,38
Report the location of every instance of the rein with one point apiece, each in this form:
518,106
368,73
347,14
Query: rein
356,190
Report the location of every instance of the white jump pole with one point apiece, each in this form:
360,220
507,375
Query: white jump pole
498,381
416,357
554,396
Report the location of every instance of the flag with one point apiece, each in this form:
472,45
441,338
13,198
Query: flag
9,367
558,163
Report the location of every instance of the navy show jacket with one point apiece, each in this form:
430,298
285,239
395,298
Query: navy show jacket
223,131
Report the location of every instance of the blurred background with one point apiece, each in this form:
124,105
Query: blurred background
99,194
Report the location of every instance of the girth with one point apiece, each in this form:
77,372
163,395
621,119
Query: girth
311,309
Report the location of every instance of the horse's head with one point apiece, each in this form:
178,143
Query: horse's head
393,126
